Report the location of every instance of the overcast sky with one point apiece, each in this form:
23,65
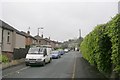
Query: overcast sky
61,19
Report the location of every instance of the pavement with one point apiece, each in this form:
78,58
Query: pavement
12,63
70,66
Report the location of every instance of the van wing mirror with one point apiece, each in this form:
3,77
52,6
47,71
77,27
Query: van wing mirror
45,52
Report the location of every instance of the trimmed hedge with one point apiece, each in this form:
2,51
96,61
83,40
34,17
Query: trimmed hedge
101,46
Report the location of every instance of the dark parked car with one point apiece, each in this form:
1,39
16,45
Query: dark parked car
62,52
55,54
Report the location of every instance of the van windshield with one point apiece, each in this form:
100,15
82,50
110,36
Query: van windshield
36,50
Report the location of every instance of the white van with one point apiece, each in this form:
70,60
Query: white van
38,55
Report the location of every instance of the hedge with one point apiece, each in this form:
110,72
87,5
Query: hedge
3,58
101,46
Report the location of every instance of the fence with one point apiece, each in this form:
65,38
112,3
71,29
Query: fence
20,53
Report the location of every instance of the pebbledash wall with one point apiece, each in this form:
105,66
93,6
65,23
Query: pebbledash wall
16,40
20,41
7,44
10,39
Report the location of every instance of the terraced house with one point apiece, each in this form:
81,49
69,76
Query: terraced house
30,40
47,41
41,40
11,39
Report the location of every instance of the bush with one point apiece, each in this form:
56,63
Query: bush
4,59
101,46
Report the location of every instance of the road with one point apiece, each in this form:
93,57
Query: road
70,65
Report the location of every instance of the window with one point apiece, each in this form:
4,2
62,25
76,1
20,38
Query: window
36,50
8,37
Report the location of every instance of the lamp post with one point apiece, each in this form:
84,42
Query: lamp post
79,33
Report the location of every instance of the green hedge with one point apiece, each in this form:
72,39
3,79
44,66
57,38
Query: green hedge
101,46
4,59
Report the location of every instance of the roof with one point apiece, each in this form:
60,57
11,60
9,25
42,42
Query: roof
41,38
6,26
9,27
38,37
47,39
27,35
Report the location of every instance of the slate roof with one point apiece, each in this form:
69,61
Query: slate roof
8,27
47,39
38,37
41,38
27,35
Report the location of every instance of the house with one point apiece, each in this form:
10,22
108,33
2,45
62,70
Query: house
11,39
41,40
44,41
7,39
30,40
53,44
57,44
19,40
48,41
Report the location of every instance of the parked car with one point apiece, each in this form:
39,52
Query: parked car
66,50
62,51
39,55
55,54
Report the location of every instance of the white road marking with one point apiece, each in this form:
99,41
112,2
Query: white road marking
18,71
22,69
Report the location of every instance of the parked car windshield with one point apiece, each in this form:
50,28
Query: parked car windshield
36,50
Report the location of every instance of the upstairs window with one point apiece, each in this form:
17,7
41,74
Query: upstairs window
8,37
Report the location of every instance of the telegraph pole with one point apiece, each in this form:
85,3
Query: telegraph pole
28,28
38,31
41,29
79,33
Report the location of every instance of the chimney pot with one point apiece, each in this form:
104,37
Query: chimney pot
42,35
28,32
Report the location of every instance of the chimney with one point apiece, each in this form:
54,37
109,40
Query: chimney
49,38
79,33
28,32
42,35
